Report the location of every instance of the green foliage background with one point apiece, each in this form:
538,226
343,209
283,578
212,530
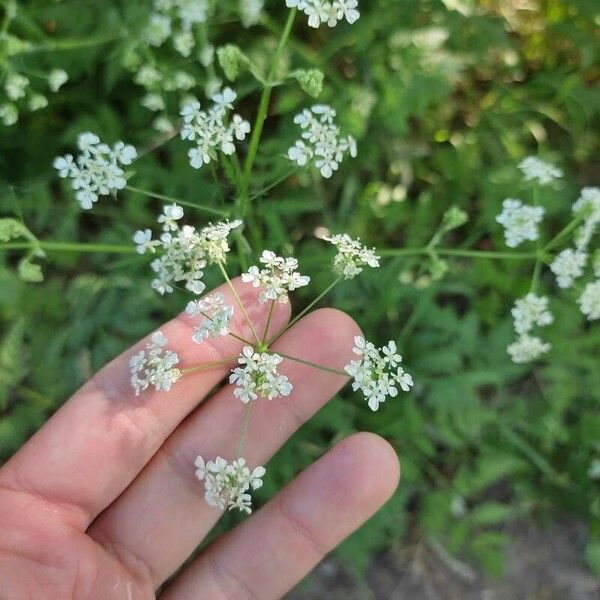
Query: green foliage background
445,97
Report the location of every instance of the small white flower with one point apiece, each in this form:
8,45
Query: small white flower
530,311
527,348
250,11
258,376
351,256
520,221
155,366
279,276
153,102
587,207
97,170
56,79
568,266
143,240
15,85
217,317
535,169
169,217
378,373
589,302
212,130
321,144
327,12
227,484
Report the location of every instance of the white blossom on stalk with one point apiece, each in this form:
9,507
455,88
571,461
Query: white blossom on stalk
185,251
227,484
15,85
213,130
520,221
587,207
97,171
589,301
250,11
535,169
154,366
530,311
568,266
327,12
258,376
378,373
351,256
527,349
217,316
321,144
279,276
56,79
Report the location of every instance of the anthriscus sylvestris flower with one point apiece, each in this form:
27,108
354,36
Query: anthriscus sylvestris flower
258,377
568,266
530,311
587,207
97,171
377,373
520,221
227,484
212,130
535,169
279,276
527,348
351,256
589,301
327,12
154,366
217,316
321,144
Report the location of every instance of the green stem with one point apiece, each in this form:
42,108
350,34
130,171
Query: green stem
266,332
209,365
239,301
273,184
244,430
459,252
71,44
214,211
537,269
314,365
261,116
556,240
306,310
70,247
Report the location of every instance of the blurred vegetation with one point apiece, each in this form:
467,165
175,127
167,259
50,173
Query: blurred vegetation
444,97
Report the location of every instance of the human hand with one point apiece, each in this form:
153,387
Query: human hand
103,502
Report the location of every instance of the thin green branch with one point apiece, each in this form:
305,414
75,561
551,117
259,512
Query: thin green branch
244,430
209,365
214,211
459,252
70,247
314,365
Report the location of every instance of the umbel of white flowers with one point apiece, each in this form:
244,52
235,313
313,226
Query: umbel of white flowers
520,221
226,484
185,251
212,130
321,144
327,12
97,171
529,312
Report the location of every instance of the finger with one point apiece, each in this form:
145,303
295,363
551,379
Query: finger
96,444
273,550
167,503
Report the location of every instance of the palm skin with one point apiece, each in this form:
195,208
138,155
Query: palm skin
103,503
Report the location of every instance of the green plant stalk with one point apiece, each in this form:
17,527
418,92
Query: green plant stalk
72,44
306,310
261,116
209,365
70,247
214,211
266,332
244,430
537,269
391,252
239,301
314,365
556,240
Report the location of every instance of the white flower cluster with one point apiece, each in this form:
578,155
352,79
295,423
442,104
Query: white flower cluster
351,256
217,315
185,251
212,130
535,169
520,221
588,208
97,171
176,18
529,312
154,366
227,484
258,376
378,373
327,12
279,276
568,266
527,348
18,94
589,301
250,11
321,144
